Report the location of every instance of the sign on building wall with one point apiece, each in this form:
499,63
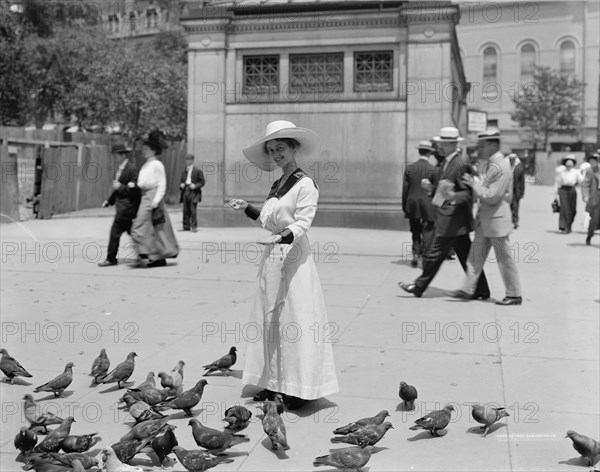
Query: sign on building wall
476,121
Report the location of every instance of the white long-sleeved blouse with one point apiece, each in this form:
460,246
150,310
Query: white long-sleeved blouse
567,177
152,175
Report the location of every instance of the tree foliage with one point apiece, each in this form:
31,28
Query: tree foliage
80,73
550,104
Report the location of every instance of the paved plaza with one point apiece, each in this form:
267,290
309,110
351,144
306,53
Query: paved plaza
539,360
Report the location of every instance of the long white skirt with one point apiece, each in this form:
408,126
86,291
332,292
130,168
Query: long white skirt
292,350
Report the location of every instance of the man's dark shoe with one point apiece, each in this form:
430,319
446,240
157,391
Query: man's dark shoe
183,229
107,263
293,403
264,395
510,301
157,263
588,240
411,288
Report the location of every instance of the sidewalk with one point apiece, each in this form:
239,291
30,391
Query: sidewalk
539,360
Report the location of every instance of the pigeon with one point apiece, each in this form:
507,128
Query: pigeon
373,420
366,436
113,464
274,428
80,443
127,450
278,400
146,429
140,410
214,440
587,447
40,463
487,416
122,372
34,416
408,393
223,364
163,445
237,417
11,367
152,396
100,365
86,460
434,421
148,383
198,460
25,440
53,441
346,458
186,401
58,384
174,380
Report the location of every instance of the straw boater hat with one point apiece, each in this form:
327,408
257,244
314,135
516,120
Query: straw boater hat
426,145
488,134
308,139
448,134
568,157
120,148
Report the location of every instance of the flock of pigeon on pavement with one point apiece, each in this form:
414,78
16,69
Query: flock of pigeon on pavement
152,434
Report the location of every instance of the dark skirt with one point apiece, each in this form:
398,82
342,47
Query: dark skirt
568,207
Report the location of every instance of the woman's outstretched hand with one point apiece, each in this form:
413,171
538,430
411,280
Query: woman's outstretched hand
274,239
238,204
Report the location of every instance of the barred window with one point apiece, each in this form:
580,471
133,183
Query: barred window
132,21
317,72
490,65
261,75
373,71
113,23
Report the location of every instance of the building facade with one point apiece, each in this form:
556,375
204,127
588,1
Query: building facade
501,42
372,78
126,19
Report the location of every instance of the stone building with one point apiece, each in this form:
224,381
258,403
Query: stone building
502,41
371,77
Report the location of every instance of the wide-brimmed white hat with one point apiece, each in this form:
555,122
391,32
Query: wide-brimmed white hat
448,134
426,145
308,139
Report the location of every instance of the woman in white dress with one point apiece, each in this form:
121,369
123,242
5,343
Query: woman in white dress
151,230
293,355
567,178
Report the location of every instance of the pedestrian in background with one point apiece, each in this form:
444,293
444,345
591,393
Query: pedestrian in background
453,199
518,190
590,188
151,230
493,224
416,202
567,178
126,198
192,181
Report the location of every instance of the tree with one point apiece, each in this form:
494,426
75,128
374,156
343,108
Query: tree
550,104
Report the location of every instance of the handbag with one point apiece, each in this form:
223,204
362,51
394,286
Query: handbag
158,216
555,206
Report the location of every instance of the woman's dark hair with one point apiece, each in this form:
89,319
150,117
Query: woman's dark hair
155,147
291,142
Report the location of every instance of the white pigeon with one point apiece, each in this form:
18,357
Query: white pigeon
113,464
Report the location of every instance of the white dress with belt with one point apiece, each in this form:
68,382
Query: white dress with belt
292,352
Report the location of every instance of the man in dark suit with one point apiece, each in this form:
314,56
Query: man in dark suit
192,181
453,199
518,186
590,188
126,198
416,202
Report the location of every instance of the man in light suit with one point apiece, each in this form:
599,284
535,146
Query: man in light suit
493,224
192,181
416,202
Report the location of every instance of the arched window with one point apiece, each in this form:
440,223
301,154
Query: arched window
527,63
567,57
490,65
132,21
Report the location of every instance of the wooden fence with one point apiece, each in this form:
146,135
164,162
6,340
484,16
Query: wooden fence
9,189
